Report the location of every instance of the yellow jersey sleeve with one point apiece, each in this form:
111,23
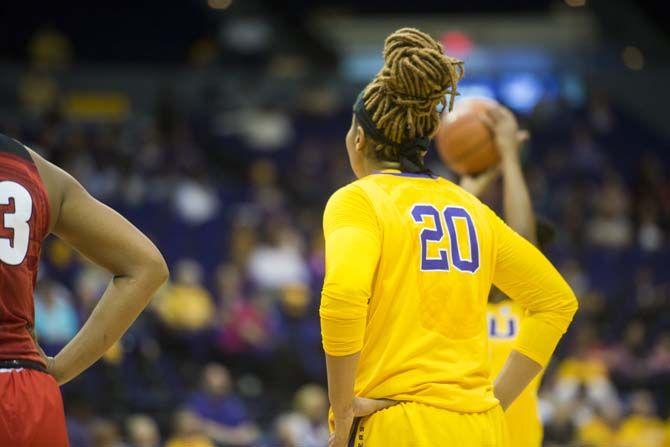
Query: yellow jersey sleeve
523,273
353,247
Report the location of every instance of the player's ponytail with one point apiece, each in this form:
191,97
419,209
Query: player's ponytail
399,108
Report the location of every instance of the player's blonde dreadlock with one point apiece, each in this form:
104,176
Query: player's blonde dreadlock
402,100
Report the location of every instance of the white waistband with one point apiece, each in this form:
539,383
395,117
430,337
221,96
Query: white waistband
7,370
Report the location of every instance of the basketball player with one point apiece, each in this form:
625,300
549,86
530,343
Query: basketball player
504,315
410,260
38,198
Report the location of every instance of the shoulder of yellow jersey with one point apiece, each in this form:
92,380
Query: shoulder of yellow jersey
386,180
349,206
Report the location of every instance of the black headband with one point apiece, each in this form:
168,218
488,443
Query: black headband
371,129
410,154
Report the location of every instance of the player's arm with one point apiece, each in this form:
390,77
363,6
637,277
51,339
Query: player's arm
523,273
478,184
353,247
517,206
110,241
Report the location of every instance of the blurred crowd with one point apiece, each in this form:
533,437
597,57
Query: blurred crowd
229,354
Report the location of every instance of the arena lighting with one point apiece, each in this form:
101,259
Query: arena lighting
521,91
456,43
632,58
219,4
476,90
575,3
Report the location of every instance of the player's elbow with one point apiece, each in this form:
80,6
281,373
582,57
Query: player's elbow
158,269
154,269
572,304
568,305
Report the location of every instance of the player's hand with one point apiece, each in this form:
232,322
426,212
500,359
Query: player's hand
48,361
365,407
361,407
507,136
477,184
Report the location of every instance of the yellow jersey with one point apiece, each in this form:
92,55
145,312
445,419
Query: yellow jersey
410,259
523,418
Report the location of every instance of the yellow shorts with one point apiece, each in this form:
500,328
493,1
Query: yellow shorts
411,424
524,426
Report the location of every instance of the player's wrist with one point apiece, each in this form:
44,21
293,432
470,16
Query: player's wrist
344,412
501,396
54,369
509,153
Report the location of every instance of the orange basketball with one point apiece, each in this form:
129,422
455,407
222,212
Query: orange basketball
464,143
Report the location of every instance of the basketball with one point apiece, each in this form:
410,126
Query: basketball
464,143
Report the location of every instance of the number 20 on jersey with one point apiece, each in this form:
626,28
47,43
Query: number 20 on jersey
434,222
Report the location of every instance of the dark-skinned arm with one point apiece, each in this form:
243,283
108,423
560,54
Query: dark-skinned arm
111,242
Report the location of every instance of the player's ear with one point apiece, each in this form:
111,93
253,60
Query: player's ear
360,141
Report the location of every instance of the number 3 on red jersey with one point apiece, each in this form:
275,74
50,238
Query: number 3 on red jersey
16,208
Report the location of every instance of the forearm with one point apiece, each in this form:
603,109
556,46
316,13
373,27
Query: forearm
518,208
527,277
341,378
516,374
119,306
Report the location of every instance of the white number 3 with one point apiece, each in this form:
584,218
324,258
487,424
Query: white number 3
13,249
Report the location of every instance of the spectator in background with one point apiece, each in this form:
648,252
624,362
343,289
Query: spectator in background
626,358
243,240
142,431
279,263
188,431
642,428
105,433
601,115
560,430
186,306
306,426
265,191
650,236
79,413
658,361
223,414
600,430
247,325
587,157
195,201
584,371
56,320
243,325
647,294
611,227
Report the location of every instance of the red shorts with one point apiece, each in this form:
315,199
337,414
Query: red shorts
31,410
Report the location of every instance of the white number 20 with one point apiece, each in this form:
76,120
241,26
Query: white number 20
13,249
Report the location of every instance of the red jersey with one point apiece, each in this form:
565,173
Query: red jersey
24,223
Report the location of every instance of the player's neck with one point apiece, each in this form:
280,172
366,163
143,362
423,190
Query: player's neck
372,166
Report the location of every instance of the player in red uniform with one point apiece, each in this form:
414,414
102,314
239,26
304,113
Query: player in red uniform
38,198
